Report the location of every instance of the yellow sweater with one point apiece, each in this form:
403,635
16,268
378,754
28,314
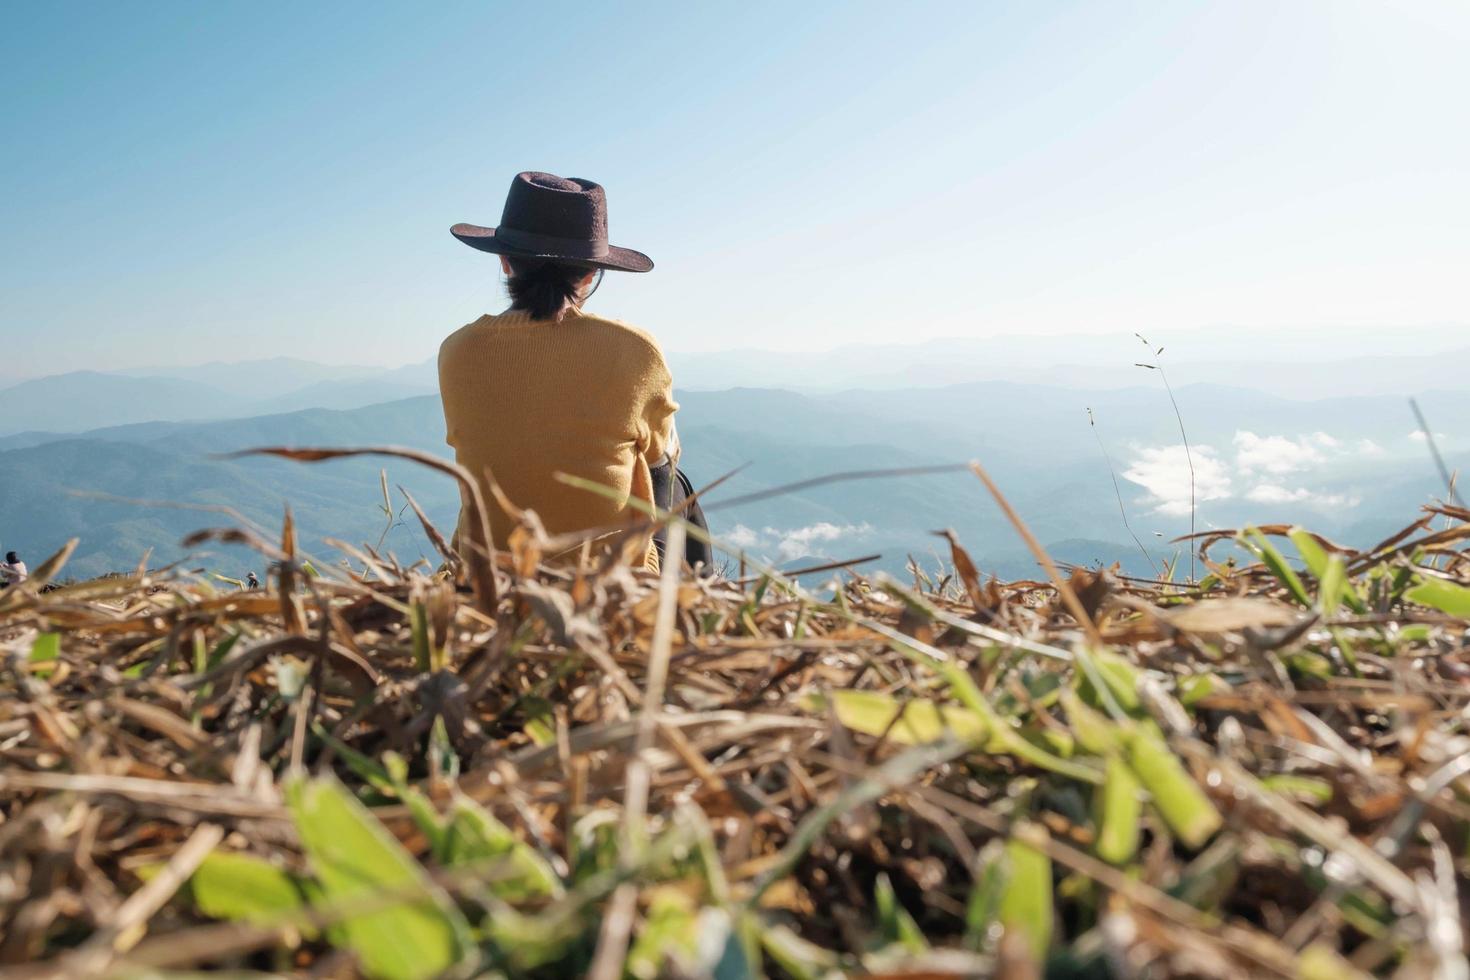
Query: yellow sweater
528,399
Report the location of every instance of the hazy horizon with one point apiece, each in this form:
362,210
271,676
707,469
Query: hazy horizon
1183,345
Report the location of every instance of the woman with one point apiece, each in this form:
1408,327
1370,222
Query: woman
547,388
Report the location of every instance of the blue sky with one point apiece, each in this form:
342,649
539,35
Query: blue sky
187,182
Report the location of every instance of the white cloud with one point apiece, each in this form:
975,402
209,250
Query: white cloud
1253,470
742,537
800,541
789,543
1280,454
1272,493
1367,447
1164,472
1418,436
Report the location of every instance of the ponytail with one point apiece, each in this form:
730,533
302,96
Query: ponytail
544,289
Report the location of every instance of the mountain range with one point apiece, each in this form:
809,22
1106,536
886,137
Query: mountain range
83,400
1354,468
1303,365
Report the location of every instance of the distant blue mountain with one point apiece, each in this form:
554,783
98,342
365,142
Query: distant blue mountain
87,400
1346,467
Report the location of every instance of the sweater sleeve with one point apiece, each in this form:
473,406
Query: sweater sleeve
446,356
658,415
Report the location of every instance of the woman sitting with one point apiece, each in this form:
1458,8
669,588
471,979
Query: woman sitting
545,388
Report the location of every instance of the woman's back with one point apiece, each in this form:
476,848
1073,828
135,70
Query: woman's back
582,395
544,388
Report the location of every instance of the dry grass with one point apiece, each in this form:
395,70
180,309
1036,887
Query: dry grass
581,769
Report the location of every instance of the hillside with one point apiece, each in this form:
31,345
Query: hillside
1341,466
1307,366
89,399
139,463
259,379
779,437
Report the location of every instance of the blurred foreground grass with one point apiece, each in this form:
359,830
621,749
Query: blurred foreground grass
522,769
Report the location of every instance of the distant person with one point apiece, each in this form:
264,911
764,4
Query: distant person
12,570
544,387
251,582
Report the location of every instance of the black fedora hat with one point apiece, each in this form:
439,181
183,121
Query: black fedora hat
554,218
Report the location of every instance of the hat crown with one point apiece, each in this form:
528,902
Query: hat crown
557,219
558,207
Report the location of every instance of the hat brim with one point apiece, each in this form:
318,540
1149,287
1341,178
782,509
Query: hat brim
617,259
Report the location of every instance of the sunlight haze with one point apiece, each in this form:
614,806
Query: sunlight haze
276,179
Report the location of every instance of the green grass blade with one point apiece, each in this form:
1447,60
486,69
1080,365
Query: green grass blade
982,911
894,922
243,887
239,887
1332,586
1178,798
1313,555
1026,903
1447,597
355,857
1119,809
915,722
45,648
797,957
1257,543
669,926
1094,732
473,834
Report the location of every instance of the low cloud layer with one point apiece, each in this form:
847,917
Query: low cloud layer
1164,471
786,544
1265,469
1273,493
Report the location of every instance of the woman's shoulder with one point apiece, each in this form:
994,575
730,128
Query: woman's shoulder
481,328
624,332
605,336
464,333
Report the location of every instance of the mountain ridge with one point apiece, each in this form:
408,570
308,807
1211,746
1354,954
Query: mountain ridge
1039,447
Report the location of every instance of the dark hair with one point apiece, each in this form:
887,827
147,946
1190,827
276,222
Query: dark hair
11,556
543,288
